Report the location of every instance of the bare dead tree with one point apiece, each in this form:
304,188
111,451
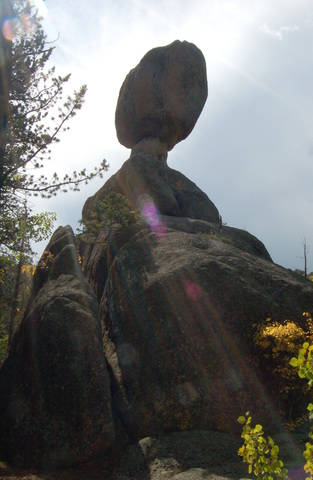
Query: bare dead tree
306,250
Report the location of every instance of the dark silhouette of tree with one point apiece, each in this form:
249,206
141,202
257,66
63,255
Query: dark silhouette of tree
33,117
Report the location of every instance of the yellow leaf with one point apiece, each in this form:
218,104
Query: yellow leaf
241,451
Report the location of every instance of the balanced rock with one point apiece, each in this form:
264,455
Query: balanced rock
161,99
157,334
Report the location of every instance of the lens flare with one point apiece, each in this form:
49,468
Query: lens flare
193,290
14,26
151,215
8,30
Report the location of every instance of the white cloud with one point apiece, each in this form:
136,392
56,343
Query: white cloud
278,33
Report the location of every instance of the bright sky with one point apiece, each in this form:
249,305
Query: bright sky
251,150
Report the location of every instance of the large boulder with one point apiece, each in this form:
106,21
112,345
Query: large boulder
179,314
161,99
55,400
98,257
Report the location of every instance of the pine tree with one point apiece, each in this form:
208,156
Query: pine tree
36,116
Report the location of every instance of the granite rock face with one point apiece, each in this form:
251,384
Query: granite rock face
179,314
142,179
161,99
55,397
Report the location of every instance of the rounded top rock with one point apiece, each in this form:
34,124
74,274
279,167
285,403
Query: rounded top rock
161,99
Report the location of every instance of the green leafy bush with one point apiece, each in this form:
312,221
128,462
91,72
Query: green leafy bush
304,364
113,211
262,455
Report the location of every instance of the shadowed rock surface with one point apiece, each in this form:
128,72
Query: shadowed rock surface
179,312
179,302
55,398
142,177
161,99
98,257
200,455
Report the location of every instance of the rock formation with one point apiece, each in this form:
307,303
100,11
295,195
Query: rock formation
55,400
142,179
161,99
157,334
179,312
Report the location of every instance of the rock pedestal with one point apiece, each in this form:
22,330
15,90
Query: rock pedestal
142,178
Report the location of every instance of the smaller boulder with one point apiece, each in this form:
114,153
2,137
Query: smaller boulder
161,99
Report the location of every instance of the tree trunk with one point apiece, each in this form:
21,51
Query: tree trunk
14,308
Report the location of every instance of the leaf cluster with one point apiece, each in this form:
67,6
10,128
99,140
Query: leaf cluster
260,454
304,364
18,229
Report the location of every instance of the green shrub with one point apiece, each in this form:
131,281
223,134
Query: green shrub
261,454
113,211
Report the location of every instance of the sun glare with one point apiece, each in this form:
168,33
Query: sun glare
41,7
223,40
219,29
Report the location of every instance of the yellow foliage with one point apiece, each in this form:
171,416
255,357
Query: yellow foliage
80,260
278,342
28,270
283,338
286,337
46,260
